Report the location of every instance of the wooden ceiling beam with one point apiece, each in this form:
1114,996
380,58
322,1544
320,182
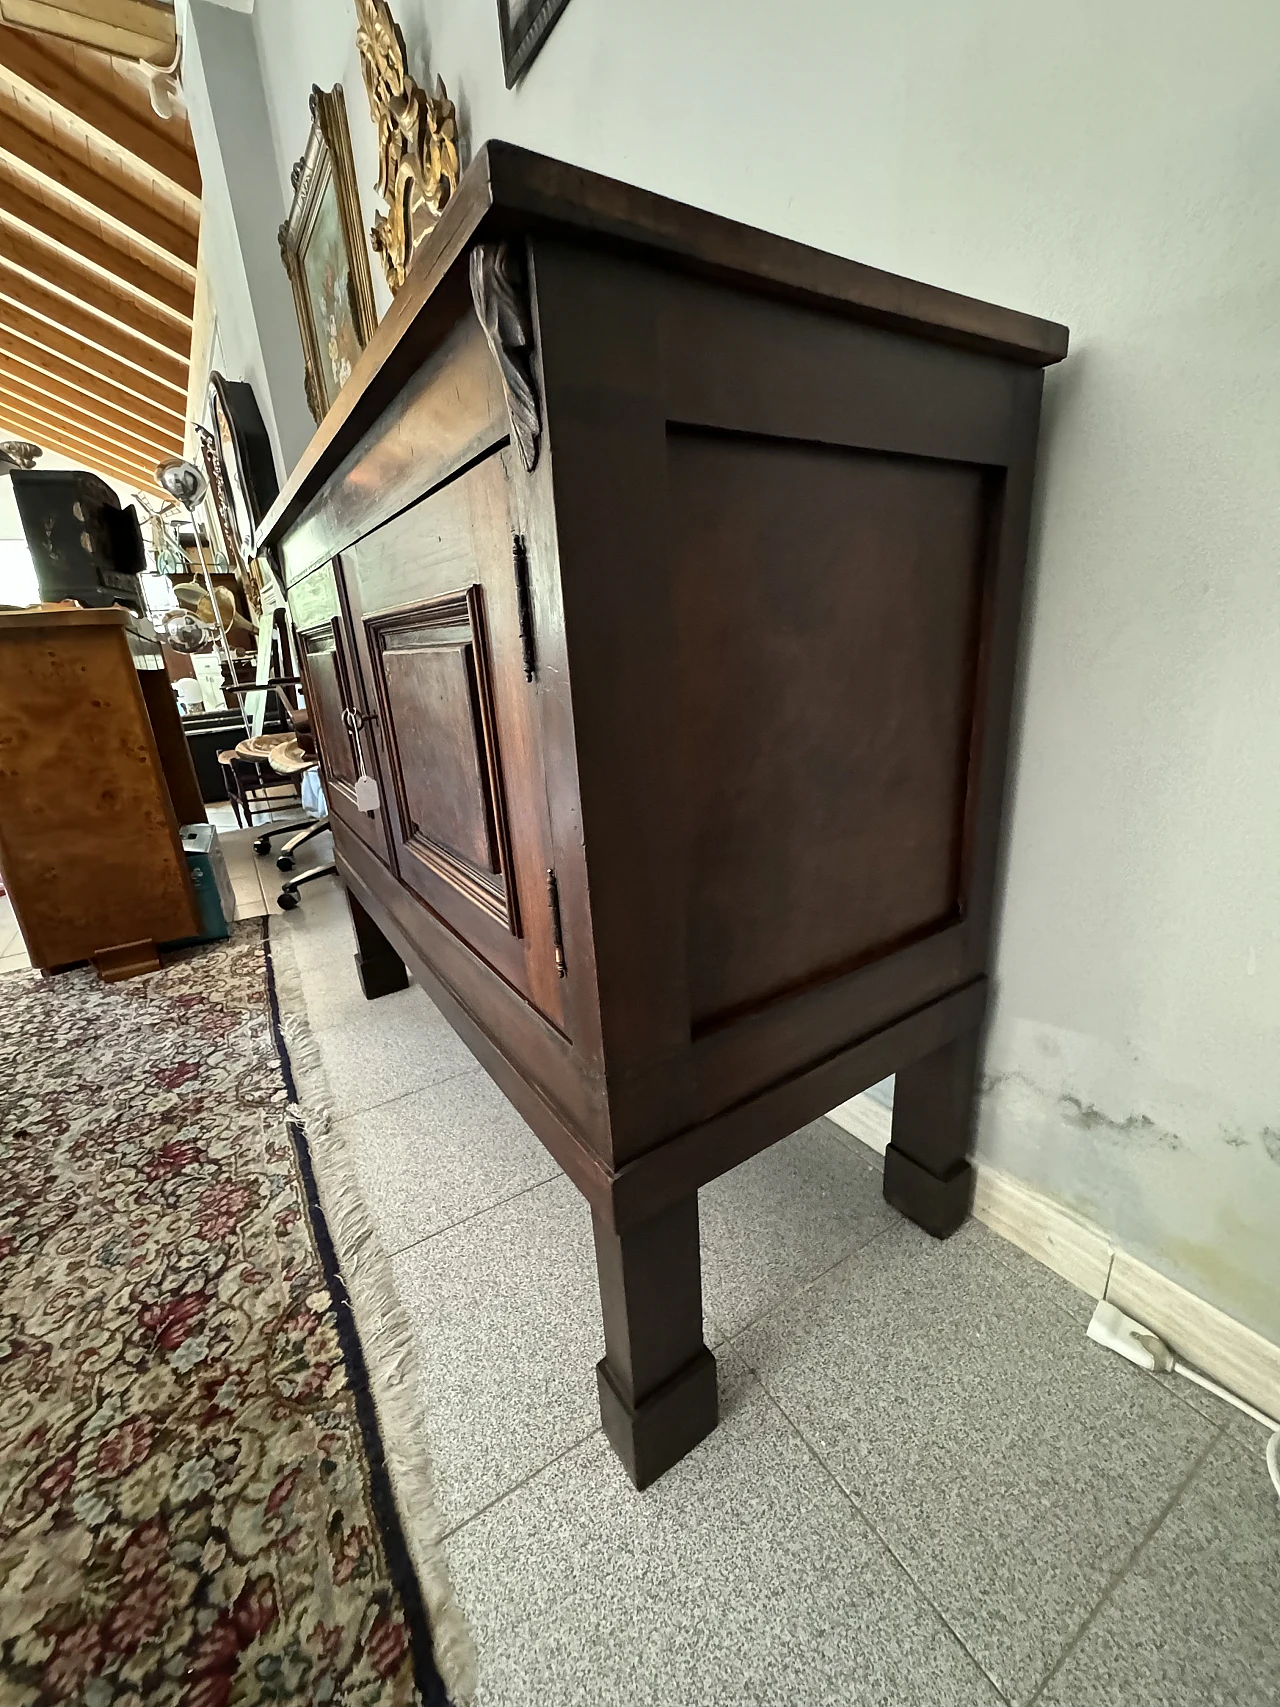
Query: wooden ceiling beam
48,420
83,418
34,360
69,234
27,382
36,331
27,62
135,29
88,324
17,424
73,177
57,267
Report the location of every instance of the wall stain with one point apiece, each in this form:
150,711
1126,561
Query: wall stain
1087,1117
1091,1119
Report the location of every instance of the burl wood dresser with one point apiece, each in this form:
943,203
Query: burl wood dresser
95,781
663,578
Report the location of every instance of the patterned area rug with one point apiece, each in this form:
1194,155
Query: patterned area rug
199,1504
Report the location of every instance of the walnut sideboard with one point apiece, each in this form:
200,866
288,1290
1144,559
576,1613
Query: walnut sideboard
663,577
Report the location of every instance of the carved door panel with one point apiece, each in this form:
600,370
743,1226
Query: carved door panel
440,604
339,717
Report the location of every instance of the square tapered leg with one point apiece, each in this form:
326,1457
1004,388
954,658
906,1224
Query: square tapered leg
657,1379
927,1176
381,969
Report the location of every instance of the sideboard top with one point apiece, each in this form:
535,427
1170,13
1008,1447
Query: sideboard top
508,190
31,621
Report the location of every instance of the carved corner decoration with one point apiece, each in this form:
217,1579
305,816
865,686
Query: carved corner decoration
524,26
417,142
500,292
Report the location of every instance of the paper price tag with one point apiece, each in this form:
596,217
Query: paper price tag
367,797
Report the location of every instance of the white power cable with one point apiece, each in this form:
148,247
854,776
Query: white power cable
1122,1334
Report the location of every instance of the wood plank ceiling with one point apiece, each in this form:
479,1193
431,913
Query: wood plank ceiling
99,231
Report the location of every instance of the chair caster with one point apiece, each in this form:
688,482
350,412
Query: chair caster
288,899
262,845
286,862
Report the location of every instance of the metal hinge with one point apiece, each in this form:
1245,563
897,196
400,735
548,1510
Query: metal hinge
524,603
557,933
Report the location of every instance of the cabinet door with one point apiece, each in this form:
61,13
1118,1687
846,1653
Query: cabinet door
439,611
339,716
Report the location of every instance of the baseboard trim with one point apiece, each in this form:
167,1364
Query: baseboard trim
1232,1354
863,1118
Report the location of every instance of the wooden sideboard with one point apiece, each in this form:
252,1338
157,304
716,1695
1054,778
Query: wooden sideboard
664,577
95,781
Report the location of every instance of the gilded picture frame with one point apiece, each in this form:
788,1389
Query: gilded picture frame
524,26
323,247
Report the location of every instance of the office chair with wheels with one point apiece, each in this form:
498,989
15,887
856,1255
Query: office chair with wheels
294,758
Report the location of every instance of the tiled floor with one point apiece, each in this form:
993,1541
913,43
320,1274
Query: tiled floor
927,1488
255,878
13,955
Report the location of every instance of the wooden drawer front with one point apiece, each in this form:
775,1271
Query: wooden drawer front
447,413
439,630
336,705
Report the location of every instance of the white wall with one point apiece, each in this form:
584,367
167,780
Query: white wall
1112,166
242,208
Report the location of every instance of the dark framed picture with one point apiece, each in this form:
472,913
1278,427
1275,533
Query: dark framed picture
524,26
325,255
245,483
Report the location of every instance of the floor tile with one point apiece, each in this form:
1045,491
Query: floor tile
438,1155
336,998
1080,1305
742,1577
250,901
1252,1435
781,1218
508,1322
399,1044
15,962
1009,1463
1194,1621
1044,1284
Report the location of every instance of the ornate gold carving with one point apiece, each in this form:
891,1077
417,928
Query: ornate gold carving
500,293
417,141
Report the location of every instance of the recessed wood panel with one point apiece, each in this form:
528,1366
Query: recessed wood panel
435,692
827,605
431,690
329,699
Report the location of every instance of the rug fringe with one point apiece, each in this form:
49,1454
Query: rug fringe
386,1336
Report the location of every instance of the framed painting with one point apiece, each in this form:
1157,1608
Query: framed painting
325,255
524,26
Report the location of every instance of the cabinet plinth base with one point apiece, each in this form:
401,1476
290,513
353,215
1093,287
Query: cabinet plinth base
939,1205
652,1436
